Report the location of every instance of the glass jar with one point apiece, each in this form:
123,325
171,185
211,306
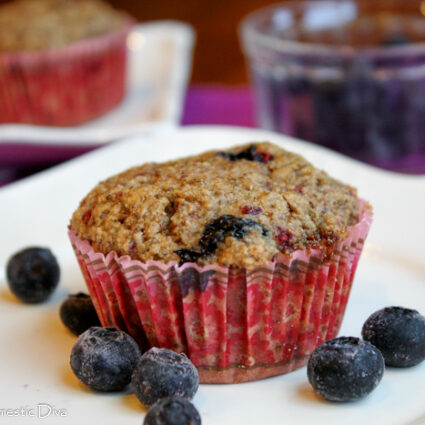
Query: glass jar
346,75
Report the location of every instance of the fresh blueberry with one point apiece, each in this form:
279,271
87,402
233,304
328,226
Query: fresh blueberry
345,369
104,358
172,411
33,274
399,333
162,373
78,313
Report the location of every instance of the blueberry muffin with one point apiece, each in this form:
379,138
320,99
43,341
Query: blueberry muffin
62,62
28,25
241,258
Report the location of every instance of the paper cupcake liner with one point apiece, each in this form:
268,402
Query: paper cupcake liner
64,86
235,324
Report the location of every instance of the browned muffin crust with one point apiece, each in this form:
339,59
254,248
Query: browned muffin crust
276,203
28,25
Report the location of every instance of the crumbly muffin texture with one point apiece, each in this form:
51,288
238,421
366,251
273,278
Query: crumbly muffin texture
28,25
236,207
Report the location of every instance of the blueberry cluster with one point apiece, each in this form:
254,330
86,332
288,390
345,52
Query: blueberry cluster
348,368
215,232
107,359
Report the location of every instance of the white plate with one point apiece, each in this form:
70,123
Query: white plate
160,57
35,347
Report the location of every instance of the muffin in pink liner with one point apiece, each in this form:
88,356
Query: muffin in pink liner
237,322
63,64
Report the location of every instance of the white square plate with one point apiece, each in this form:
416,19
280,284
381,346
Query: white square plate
34,359
159,64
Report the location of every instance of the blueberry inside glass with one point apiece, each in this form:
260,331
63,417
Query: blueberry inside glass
346,75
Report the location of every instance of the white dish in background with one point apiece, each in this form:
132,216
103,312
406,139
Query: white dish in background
34,360
160,57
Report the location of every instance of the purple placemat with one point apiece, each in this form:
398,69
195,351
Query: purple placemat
23,159
219,105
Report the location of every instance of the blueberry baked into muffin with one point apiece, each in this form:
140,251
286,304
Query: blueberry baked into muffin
242,258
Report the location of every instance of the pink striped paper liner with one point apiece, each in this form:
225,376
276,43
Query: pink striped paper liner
64,86
234,324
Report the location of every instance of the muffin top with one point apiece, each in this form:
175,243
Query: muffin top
28,25
238,207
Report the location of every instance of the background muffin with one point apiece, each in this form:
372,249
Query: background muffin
62,62
243,259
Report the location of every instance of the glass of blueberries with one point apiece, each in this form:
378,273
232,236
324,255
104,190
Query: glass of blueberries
348,75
